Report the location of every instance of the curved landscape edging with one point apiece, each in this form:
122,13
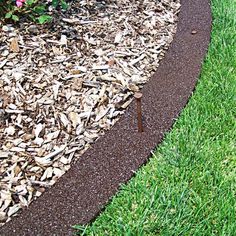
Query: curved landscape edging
83,191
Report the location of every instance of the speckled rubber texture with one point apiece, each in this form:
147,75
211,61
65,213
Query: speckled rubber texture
84,190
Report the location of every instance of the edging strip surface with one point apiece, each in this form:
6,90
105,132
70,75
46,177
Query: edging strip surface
84,190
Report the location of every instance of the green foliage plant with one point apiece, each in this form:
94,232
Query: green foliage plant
35,10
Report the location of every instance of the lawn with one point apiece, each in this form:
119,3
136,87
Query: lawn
189,185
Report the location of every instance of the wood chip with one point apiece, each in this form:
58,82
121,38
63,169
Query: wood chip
14,46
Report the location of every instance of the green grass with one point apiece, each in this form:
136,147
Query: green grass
189,185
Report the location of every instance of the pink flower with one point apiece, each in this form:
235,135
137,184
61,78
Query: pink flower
19,3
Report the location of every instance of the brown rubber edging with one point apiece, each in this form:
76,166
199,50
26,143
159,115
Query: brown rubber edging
85,189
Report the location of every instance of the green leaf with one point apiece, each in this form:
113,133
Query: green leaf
64,5
44,19
8,15
40,9
15,17
55,3
30,2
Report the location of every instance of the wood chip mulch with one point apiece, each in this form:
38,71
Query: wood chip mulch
62,85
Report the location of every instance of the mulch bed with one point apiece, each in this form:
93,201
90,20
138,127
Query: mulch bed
113,159
62,85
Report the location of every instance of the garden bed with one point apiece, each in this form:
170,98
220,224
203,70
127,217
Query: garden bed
64,84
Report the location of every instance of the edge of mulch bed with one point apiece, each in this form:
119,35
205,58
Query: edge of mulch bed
83,191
